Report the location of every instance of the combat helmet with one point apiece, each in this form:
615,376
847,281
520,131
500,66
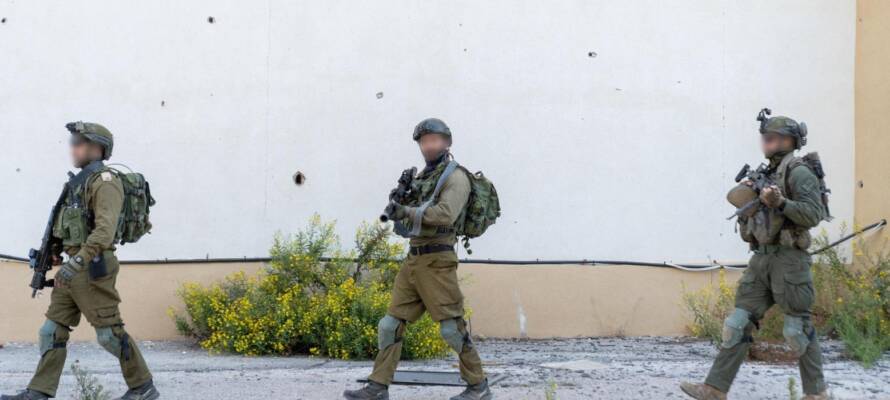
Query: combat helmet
95,133
431,125
783,126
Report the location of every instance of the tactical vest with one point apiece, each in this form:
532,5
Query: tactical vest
770,226
75,220
423,189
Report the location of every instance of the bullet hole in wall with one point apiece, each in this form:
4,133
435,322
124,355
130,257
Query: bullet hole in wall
591,54
299,178
163,103
379,95
18,170
861,184
211,20
3,20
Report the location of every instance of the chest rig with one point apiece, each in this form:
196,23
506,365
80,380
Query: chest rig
770,226
424,190
75,220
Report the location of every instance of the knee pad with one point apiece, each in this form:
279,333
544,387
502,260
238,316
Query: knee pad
389,331
114,340
734,327
797,332
454,333
52,336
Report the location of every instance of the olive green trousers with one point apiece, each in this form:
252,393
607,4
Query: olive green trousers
427,283
777,275
96,299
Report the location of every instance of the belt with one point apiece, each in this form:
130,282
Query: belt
430,248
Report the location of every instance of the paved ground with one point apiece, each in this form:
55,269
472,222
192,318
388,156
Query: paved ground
609,368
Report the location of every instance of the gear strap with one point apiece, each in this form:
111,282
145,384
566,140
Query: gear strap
418,214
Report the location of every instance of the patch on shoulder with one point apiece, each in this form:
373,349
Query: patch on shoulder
106,176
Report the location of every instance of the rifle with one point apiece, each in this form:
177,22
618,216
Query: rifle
41,261
759,179
400,193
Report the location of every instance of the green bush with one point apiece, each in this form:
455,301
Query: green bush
861,308
709,306
852,303
313,298
88,387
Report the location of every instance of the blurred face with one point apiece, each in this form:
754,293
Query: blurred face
773,143
83,151
432,146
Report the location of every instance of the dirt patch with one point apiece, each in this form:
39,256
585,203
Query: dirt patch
772,351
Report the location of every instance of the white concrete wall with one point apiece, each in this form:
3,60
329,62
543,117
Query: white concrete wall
625,155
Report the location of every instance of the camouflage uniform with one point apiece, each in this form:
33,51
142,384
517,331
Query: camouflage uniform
778,273
87,225
428,282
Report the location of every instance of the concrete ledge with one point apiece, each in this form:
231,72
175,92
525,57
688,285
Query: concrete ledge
540,301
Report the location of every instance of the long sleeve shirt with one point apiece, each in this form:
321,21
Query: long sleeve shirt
105,198
443,213
803,206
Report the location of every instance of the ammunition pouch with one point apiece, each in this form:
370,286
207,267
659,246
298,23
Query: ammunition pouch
72,226
795,238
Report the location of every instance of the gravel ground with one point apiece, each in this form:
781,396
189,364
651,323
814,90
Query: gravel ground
602,368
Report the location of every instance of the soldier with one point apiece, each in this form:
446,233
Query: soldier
85,283
427,280
779,270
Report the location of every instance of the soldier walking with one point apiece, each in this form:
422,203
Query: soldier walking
777,230
428,280
86,229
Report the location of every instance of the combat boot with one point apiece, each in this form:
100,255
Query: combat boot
821,396
145,392
371,391
25,395
479,391
702,391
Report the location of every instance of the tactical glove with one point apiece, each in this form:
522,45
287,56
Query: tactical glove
69,269
772,197
398,211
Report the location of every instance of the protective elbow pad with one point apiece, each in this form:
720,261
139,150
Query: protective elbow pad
734,327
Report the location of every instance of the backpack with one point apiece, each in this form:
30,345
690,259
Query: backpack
133,223
482,210
814,163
